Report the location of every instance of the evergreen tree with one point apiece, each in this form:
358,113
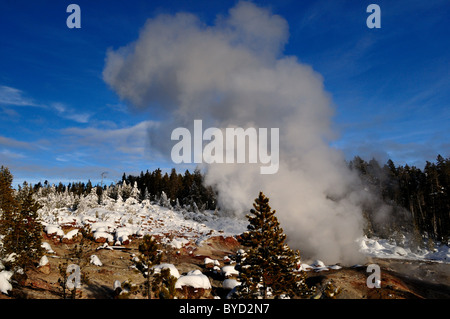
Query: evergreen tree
8,203
175,181
164,201
149,257
163,284
269,263
19,223
135,193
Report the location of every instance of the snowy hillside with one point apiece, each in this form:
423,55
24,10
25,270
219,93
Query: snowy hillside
117,221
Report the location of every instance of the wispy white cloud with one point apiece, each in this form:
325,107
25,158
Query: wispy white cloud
70,114
75,157
10,96
16,97
128,140
10,154
10,142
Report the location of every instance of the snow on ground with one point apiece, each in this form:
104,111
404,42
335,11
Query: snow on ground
117,222
384,248
317,266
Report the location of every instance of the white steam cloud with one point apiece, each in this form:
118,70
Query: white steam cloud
234,74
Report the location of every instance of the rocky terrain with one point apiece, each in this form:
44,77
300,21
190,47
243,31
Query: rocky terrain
400,279
202,245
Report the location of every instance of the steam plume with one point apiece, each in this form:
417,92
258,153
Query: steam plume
234,73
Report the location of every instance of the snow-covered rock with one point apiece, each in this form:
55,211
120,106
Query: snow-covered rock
173,270
178,243
229,271
335,267
317,263
43,261
194,279
305,267
71,234
95,260
54,230
5,285
102,226
47,247
102,237
211,263
230,283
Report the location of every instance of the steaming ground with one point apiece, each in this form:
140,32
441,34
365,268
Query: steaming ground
233,73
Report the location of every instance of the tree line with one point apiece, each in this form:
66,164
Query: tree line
186,189
420,199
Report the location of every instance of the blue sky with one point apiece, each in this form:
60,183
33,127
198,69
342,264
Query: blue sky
60,121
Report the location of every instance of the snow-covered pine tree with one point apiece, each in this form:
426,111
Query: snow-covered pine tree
89,201
177,206
126,190
164,201
135,192
270,265
147,194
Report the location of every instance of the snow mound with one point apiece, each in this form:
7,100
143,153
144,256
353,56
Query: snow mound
400,251
102,234
43,261
71,234
335,267
54,230
305,267
194,279
95,261
5,285
318,265
173,270
104,226
228,271
47,247
230,283
179,243
208,261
